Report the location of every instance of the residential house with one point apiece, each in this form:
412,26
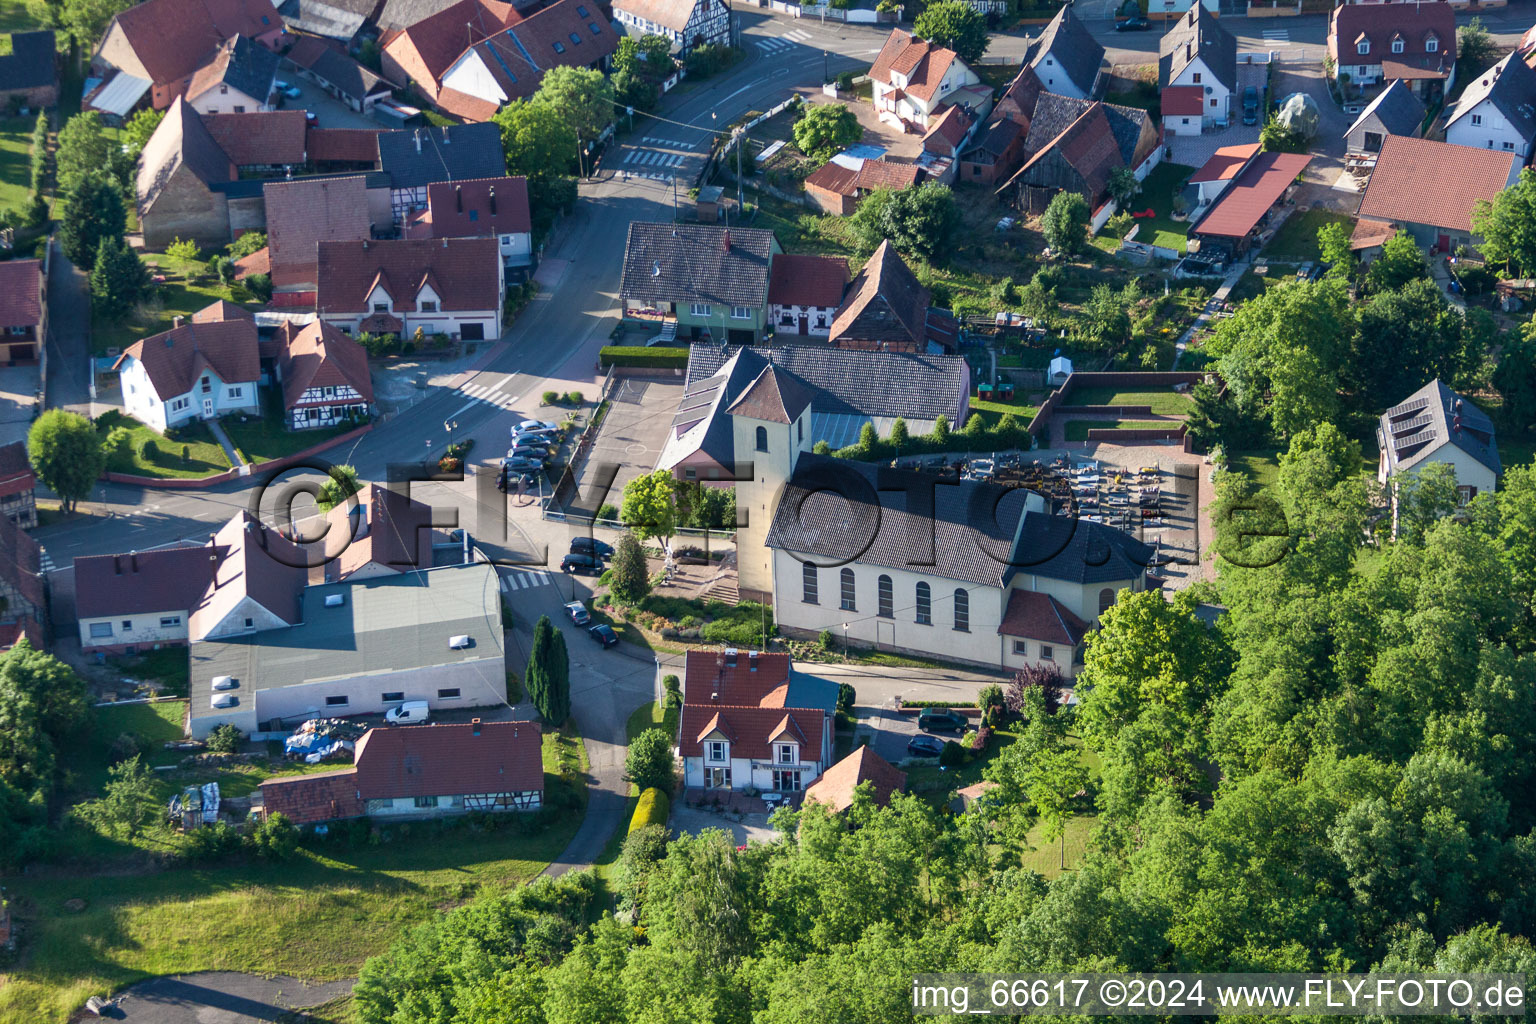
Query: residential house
318,61
427,771
419,157
1198,51
18,485
1231,225
357,647
1169,10
948,134
1384,42
1437,425
1066,58
157,47
804,293
1429,189
382,533
451,286
302,214
927,574
712,282
192,371
1394,111
481,208
139,601
1075,145
23,594
839,784
510,64
1213,177
344,149
29,73
838,185
834,394
260,142
1183,109
912,77
23,311
688,23
237,78
418,55
1497,110
178,170
324,377
337,20
751,721
887,310
999,150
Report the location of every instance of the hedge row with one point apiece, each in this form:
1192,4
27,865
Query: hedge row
652,809
643,358
938,703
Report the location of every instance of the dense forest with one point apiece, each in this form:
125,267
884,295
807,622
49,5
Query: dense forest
1336,775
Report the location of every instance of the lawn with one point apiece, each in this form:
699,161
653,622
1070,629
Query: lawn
1157,192
204,455
1163,403
15,158
317,916
1077,430
154,724
167,666
265,438
1070,849
15,16
994,410
188,287
1296,241
1261,465
1516,451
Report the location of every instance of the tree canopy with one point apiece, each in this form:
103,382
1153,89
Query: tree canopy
92,211
1507,225
65,450
548,678
1065,223
956,25
825,129
918,221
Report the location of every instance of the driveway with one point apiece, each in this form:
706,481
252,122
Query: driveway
222,997
69,335
1327,148
745,828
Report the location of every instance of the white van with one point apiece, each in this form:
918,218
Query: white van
412,712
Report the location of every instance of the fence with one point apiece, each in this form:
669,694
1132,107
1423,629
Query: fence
565,487
1112,379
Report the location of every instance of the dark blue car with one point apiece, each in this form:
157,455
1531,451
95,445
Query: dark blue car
603,634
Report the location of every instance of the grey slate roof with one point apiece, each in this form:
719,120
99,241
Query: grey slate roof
692,263
1076,52
1510,85
454,153
251,68
1396,109
1054,113
1077,551
30,63
334,19
1198,34
1430,418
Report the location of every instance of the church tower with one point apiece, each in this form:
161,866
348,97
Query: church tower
770,421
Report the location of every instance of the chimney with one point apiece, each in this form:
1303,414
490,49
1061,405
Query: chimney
493,200
176,322
1189,52
418,140
730,657
727,239
458,197
117,564
474,726
133,561
752,662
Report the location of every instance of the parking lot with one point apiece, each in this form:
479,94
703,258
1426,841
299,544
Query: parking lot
632,434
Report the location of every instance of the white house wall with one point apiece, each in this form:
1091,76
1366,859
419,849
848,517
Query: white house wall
471,77
1212,90
234,623
213,101
1493,133
146,629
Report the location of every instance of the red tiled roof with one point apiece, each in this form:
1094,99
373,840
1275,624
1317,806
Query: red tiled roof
175,359
1248,198
886,302
1382,23
20,565
1391,69
1225,163
799,280
173,37
951,127
440,38
922,62
222,309
1370,233
539,32
674,14
875,174
315,796
464,268
387,530
1088,146
301,214
836,785
480,206
1038,616
163,580
707,673
470,108
776,398
749,728
21,303
319,356
1183,101
833,177
349,145
1422,182
259,137
450,760
16,476
258,262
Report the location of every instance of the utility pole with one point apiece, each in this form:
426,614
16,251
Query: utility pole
674,196
741,140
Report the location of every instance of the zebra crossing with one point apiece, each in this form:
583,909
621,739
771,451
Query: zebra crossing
482,393
660,164
779,44
1277,35
526,580
652,158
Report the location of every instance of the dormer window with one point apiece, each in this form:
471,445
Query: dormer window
1431,45
715,752
381,307
428,306
1363,47
1397,45
787,753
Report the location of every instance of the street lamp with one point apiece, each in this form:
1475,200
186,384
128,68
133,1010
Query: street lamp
449,426
845,641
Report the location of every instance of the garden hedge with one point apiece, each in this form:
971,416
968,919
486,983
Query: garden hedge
652,809
638,357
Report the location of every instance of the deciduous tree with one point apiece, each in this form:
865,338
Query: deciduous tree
648,763
1399,262
65,450
956,25
628,578
1065,223
825,129
649,506
93,210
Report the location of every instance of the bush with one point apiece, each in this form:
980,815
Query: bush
733,633
574,398
990,700
826,640
211,842
260,285
276,838
952,756
124,747
846,696
225,739
186,454
649,763
182,250
550,398
674,688
651,809
149,451
642,358
981,738
643,849
608,511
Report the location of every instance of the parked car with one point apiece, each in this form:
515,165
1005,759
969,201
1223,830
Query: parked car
536,425
591,546
1251,105
582,565
603,634
925,746
290,91
537,456
941,720
1321,269
1134,24
507,480
411,712
547,433
521,465
578,613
